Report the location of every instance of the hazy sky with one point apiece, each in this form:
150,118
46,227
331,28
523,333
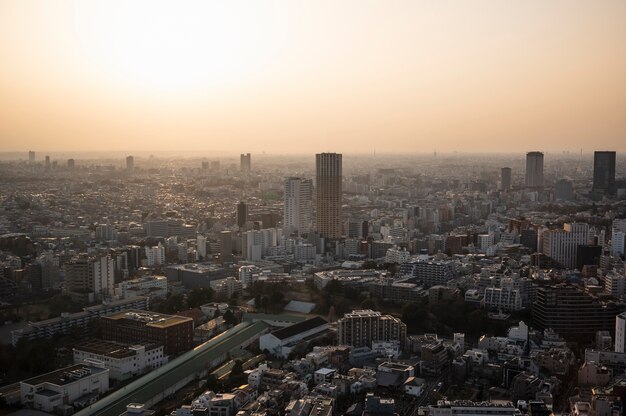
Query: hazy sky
282,77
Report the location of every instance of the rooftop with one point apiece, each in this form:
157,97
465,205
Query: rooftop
299,328
149,318
65,375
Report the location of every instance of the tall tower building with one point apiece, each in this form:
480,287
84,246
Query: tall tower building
245,162
505,179
130,164
534,169
620,332
71,164
297,210
604,172
329,194
47,162
226,247
242,214
31,156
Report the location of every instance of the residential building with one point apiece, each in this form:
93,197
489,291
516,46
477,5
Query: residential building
297,208
361,327
329,194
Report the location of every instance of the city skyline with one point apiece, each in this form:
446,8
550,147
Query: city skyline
92,77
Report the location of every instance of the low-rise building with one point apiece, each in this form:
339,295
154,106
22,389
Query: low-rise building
66,389
123,361
282,341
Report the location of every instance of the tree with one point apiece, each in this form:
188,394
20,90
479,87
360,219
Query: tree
229,318
199,296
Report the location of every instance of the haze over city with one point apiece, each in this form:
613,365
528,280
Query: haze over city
297,77
289,208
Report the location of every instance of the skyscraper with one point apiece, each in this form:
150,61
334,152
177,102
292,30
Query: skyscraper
245,162
70,164
329,194
31,156
505,179
534,169
604,172
226,247
47,162
130,164
298,205
242,214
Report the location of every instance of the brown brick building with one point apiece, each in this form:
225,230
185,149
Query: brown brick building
175,333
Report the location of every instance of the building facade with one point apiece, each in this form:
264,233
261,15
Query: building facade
329,194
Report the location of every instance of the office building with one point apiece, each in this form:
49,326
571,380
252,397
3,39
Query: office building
130,164
604,172
562,245
360,328
242,214
534,169
123,361
563,190
226,247
297,209
329,194
245,162
469,408
175,333
618,237
31,156
150,286
620,332
572,312
47,162
71,164
505,179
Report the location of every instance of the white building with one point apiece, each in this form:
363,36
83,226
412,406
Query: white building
505,299
155,256
397,255
226,287
258,243
122,361
151,286
77,385
562,245
201,247
298,206
615,284
304,252
468,408
485,242
281,342
246,274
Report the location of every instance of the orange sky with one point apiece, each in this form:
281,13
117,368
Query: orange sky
294,76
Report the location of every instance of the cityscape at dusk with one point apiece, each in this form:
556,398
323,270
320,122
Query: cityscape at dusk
287,208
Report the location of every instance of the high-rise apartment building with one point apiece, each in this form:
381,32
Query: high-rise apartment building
245,162
85,274
297,210
329,194
242,214
130,164
604,172
562,245
226,247
505,179
534,169
620,332
360,328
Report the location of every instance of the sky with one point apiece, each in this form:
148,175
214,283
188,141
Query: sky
295,77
